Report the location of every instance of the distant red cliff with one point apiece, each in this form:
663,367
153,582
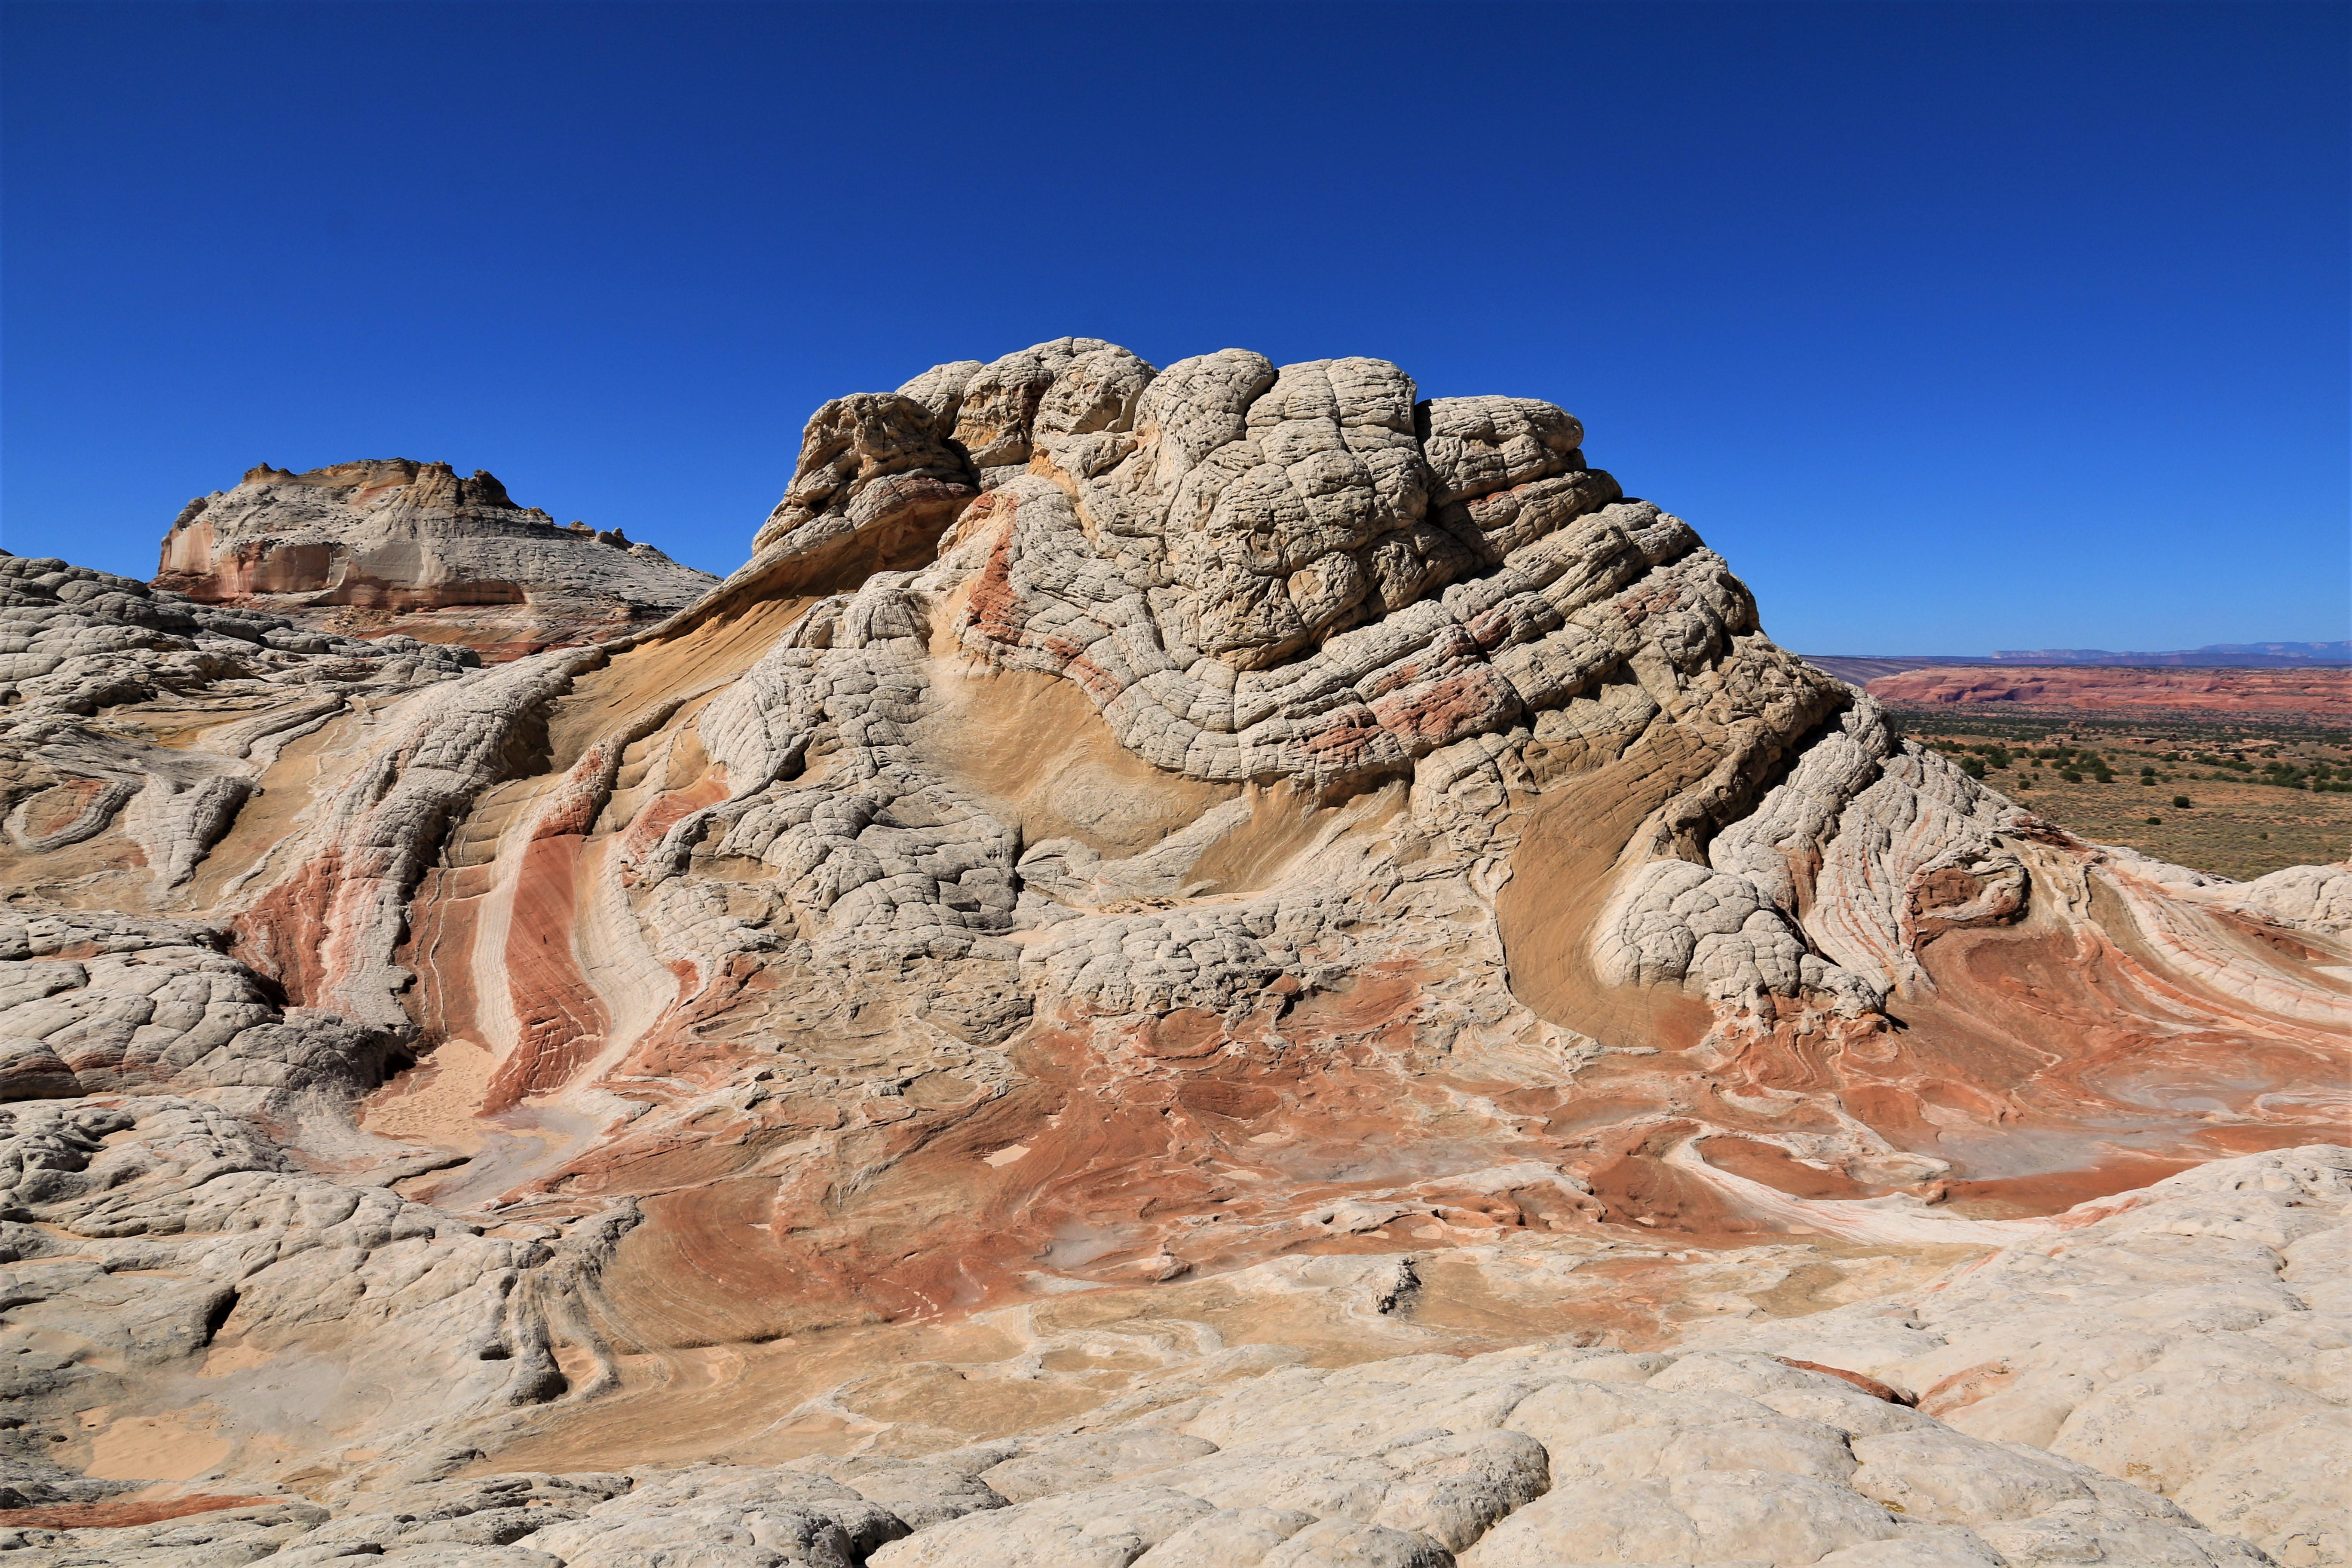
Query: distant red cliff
2326,693
392,545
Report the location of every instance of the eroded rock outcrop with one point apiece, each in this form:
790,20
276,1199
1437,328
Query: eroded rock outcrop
2188,1337
392,545
144,719
1147,878
1549,1452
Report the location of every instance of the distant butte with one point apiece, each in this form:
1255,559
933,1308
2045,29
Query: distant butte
391,545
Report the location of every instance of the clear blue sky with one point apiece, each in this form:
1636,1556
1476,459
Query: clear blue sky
1953,327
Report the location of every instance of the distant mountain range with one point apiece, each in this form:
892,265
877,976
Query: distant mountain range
1861,668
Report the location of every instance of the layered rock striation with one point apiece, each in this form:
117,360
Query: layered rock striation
1550,1452
392,545
1149,889
2318,695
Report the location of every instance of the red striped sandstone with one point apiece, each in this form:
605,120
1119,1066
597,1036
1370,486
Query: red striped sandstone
1131,848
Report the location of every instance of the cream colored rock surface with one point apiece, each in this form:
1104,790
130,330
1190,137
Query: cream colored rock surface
1543,1454
1153,892
2192,1337
395,546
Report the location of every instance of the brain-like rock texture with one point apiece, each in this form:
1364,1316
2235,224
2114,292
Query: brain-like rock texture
392,545
1223,964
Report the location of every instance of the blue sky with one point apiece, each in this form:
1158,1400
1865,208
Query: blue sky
1953,328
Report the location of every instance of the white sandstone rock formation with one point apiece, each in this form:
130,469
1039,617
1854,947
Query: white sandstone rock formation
2192,1337
1537,1456
1216,964
392,545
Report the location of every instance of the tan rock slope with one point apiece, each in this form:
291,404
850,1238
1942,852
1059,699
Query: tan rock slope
394,546
1151,888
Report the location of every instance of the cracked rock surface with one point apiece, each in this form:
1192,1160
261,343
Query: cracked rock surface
1541,1453
1216,963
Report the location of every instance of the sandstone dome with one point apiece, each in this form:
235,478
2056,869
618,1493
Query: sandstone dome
1216,964
395,546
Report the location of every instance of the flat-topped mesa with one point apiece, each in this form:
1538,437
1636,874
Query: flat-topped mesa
389,544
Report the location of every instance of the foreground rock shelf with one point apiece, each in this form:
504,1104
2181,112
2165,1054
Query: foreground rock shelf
1210,966
2176,1334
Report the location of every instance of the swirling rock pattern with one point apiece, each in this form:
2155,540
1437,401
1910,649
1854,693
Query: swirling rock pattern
1153,895
1544,1453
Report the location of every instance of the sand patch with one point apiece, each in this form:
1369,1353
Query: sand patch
435,1101
221,1360
175,1447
